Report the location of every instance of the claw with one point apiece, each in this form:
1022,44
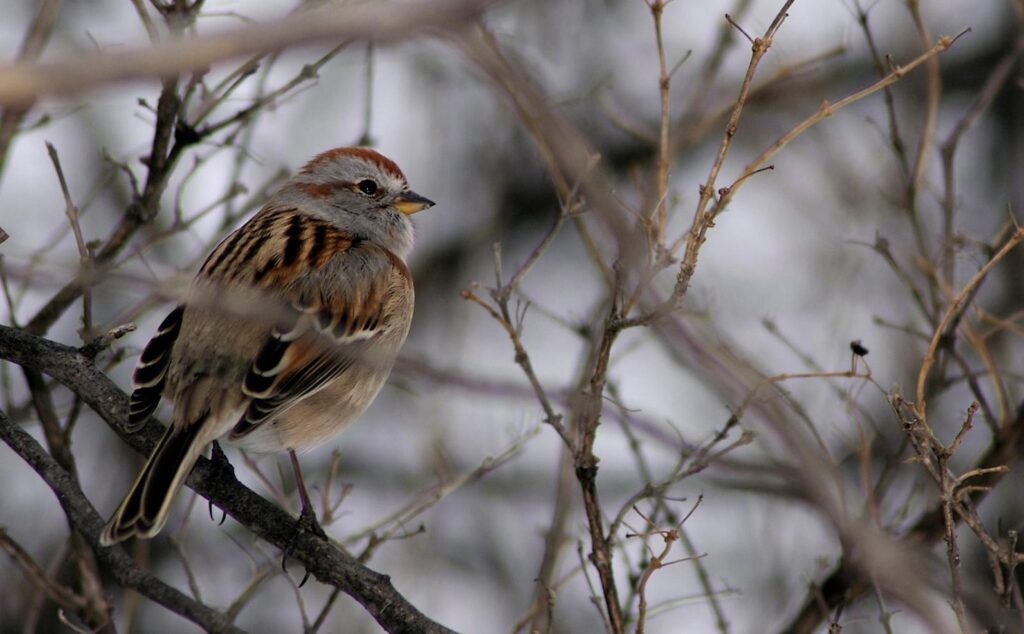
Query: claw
221,466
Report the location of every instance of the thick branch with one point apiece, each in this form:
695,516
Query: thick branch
324,561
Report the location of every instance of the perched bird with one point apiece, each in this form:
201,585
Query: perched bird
287,333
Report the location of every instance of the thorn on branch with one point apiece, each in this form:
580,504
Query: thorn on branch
103,341
968,424
946,41
728,18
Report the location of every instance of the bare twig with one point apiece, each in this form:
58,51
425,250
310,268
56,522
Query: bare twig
657,224
704,217
955,308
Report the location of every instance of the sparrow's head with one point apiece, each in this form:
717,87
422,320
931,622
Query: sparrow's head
360,191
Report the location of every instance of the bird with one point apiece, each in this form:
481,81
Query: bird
287,332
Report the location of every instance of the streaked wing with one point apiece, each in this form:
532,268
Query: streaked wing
151,372
329,321
298,362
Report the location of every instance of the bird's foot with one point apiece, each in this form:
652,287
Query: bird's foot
221,468
307,523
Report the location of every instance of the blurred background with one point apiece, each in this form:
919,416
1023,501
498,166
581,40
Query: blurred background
453,464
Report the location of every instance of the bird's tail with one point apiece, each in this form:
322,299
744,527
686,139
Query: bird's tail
145,508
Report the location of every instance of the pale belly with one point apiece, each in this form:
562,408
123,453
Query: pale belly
318,417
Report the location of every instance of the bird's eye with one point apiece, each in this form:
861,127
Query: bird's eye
368,187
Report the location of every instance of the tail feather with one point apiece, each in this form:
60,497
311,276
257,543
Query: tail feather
145,508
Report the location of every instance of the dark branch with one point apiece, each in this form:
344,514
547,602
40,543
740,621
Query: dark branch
324,561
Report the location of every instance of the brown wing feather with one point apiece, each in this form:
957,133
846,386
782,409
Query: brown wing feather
321,334
250,255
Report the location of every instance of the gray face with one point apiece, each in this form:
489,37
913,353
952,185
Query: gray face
358,190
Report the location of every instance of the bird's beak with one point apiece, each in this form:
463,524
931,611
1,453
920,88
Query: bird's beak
410,202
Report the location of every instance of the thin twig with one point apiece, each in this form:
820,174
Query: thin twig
954,309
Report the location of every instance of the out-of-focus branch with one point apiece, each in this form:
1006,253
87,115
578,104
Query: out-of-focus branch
34,574
23,83
325,561
566,151
35,39
845,583
426,372
955,309
915,177
993,85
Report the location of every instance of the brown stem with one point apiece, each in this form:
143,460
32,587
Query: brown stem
588,419
845,583
664,81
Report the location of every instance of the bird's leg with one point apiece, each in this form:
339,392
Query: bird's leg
222,468
307,518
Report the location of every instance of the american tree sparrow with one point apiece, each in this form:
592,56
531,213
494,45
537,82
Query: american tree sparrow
288,331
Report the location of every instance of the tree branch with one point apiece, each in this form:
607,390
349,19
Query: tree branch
845,583
326,562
